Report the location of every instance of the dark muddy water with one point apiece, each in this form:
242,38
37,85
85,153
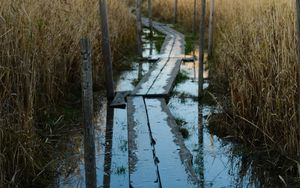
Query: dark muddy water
215,161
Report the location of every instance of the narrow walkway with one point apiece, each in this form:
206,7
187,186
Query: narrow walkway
157,154
160,79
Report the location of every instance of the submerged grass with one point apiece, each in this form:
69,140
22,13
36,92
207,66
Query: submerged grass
39,64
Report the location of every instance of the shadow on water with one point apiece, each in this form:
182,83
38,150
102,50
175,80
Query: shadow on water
217,162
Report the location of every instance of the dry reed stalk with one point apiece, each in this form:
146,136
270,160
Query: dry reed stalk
39,60
256,57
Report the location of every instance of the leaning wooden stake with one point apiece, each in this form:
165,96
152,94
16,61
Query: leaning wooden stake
298,28
194,18
150,15
175,11
139,27
201,48
210,29
87,106
106,50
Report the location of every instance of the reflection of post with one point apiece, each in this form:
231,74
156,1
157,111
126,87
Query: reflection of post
106,51
108,146
87,106
210,29
139,27
151,46
201,146
201,48
140,71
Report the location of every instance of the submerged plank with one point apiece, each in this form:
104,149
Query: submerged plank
175,161
143,170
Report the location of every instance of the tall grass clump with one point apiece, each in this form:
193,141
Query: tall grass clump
256,53
163,11
39,66
254,64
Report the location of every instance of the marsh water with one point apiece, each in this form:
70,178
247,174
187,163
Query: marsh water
216,162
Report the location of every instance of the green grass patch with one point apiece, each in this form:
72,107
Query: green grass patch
181,77
180,121
184,132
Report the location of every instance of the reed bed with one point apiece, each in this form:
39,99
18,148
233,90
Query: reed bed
39,63
255,66
256,53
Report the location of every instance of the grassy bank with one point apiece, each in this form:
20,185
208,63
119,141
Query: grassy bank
40,67
254,67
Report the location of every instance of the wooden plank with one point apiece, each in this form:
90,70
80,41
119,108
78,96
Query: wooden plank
120,100
147,81
166,79
87,106
175,161
143,170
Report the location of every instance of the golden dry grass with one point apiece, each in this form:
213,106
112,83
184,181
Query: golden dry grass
256,53
256,56
39,60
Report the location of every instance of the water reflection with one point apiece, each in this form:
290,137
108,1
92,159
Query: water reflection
200,157
108,145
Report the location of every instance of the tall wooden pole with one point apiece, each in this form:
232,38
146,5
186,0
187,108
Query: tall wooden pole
194,17
211,28
150,15
139,27
106,50
87,107
194,26
298,28
201,48
175,11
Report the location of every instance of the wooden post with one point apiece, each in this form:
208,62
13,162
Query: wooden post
298,28
139,27
211,28
201,48
106,50
87,106
194,18
175,11
194,26
150,16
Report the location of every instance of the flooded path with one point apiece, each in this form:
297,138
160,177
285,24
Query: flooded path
214,161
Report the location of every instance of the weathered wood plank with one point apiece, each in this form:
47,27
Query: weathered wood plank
160,79
175,161
120,100
147,81
87,108
143,170
166,79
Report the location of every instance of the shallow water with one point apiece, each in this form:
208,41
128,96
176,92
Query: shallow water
214,161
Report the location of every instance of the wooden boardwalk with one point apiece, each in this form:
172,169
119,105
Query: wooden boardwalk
157,154
160,79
